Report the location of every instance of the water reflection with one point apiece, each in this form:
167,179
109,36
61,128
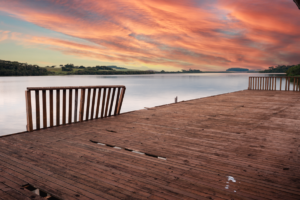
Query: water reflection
142,91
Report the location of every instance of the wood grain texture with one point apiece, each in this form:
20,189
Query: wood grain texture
242,145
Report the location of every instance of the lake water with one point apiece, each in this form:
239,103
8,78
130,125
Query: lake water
141,90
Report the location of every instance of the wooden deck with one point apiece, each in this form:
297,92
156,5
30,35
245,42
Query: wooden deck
241,145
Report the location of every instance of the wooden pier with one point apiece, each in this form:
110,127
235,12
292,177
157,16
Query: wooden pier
241,145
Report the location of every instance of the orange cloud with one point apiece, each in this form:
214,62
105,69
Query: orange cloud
207,35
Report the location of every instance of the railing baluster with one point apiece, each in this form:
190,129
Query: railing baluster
76,105
275,83
289,81
294,84
93,103
280,82
271,83
121,100
297,84
37,107
51,107
70,105
98,103
81,110
64,106
28,110
118,97
107,101
249,84
286,83
58,107
103,102
265,80
44,109
88,104
112,102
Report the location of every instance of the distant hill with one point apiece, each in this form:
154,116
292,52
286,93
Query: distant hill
237,70
115,67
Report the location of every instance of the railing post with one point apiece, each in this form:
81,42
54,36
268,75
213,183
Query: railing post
121,100
28,110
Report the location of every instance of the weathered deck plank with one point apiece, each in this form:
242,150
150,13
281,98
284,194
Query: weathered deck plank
241,145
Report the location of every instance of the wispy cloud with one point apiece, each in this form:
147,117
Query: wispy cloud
208,35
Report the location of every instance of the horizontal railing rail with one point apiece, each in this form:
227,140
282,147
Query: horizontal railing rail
289,83
72,104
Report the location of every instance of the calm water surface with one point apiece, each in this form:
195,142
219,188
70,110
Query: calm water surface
142,91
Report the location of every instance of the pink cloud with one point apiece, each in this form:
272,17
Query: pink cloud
183,34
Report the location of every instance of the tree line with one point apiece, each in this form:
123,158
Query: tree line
14,68
278,69
8,68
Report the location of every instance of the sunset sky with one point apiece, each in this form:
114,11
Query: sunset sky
209,35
